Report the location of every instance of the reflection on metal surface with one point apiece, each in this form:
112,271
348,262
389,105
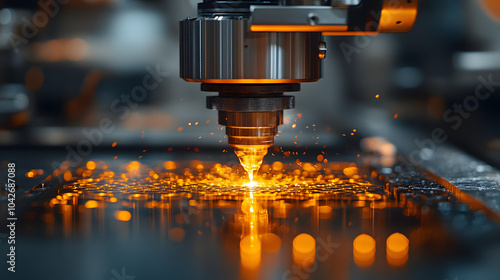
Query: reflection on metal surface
304,250
363,249
397,249
298,219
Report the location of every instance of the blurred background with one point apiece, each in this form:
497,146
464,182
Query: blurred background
68,67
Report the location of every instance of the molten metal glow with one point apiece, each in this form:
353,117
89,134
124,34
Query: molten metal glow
251,157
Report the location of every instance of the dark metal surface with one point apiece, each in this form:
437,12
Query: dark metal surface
245,104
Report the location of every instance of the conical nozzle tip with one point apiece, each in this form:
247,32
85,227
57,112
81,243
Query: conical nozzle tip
251,157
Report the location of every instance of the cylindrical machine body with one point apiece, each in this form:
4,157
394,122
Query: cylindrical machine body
224,50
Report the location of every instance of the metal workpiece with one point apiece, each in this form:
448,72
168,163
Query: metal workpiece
224,50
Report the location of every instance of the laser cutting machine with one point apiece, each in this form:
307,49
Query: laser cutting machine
251,52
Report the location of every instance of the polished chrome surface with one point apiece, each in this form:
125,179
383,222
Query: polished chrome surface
222,50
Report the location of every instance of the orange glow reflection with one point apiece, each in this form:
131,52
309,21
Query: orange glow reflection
363,249
123,216
250,252
304,250
91,204
397,249
91,165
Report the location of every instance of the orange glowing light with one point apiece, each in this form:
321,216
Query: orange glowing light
396,116
270,242
91,165
350,171
377,96
492,8
299,115
250,252
123,216
176,234
180,128
133,166
67,175
325,212
169,165
364,250
114,144
91,204
113,199
304,250
297,28
320,158
397,249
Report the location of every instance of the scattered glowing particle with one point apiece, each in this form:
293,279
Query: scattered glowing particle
196,123
354,130
113,199
287,154
140,157
170,149
196,149
91,204
189,123
180,128
114,144
350,171
320,158
91,165
377,96
67,175
299,115
208,121
294,125
133,166
123,216
170,165
396,116
277,166
115,157
211,133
